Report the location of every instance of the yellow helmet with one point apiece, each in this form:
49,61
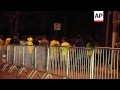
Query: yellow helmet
30,39
8,39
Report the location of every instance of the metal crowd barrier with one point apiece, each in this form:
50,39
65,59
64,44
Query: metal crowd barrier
25,57
57,62
103,64
28,55
40,61
2,54
106,63
9,56
32,57
17,57
72,63
80,63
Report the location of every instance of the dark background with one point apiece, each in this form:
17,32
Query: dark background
42,22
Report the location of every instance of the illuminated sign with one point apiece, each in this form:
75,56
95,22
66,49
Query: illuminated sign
57,26
116,16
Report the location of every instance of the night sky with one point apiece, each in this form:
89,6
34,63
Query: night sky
42,22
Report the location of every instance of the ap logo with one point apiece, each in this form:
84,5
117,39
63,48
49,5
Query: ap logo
98,16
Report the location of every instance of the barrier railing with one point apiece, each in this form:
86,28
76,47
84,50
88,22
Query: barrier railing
72,63
106,63
22,61
32,57
80,63
9,56
57,62
2,54
40,61
28,59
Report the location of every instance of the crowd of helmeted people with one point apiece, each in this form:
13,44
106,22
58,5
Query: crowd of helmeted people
44,41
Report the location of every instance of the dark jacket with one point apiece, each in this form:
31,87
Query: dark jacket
79,43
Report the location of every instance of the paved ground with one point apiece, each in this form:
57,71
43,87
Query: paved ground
13,75
6,75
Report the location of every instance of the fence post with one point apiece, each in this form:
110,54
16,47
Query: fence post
67,64
92,66
47,66
48,50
